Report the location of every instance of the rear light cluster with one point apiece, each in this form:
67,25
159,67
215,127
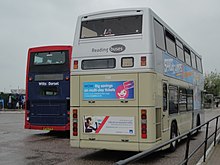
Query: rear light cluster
143,61
75,64
68,115
75,122
27,117
143,124
30,78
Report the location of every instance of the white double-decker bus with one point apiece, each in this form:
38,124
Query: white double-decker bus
134,82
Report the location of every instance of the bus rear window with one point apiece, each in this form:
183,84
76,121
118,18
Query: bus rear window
48,58
111,27
98,64
49,91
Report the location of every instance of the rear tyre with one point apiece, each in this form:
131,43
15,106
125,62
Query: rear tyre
173,134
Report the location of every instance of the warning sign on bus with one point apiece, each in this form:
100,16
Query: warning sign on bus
118,125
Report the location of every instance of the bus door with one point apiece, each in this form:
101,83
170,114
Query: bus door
165,114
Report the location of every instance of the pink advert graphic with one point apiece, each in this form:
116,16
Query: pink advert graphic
122,90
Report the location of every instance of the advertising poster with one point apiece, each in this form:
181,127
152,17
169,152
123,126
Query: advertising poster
110,90
113,125
176,69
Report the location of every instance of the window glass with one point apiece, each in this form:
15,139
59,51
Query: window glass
193,56
98,64
189,99
179,48
49,91
170,47
49,62
49,58
159,35
127,62
106,27
187,56
173,99
182,100
199,64
170,43
164,97
179,44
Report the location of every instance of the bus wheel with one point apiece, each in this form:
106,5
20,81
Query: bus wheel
173,134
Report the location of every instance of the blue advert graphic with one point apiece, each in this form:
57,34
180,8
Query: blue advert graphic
176,69
108,90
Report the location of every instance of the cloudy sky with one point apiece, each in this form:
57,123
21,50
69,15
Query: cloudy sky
28,23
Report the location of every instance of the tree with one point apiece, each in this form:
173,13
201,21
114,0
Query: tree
212,83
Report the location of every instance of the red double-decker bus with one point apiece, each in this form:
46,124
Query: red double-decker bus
48,88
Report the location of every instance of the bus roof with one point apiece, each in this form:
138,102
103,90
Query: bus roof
126,11
52,47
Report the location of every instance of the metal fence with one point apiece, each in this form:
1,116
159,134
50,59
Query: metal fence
188,137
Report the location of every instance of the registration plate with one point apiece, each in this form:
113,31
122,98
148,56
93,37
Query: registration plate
48,129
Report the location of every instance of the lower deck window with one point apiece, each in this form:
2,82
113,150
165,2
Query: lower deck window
108,63
173,99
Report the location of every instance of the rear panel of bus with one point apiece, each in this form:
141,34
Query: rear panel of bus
115,84
111,122
48,88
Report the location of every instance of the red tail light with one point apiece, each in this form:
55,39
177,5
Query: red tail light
30,78
75,64
75,122
143,124
143,61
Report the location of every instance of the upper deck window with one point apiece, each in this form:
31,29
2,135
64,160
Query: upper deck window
187,55
111,27
179,47
159,35
199,64
49,61
48,58
193,56
170,43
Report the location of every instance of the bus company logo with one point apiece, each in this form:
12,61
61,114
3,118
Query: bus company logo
49,83
100,50
117,48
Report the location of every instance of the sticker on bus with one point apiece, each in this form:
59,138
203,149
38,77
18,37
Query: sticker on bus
114,125
109,90
176,69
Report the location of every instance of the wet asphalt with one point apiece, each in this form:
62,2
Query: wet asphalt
19,146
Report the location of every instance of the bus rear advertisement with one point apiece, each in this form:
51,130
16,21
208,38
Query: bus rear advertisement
48,88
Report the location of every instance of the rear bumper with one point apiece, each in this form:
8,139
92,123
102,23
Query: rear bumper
49,128
120,146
